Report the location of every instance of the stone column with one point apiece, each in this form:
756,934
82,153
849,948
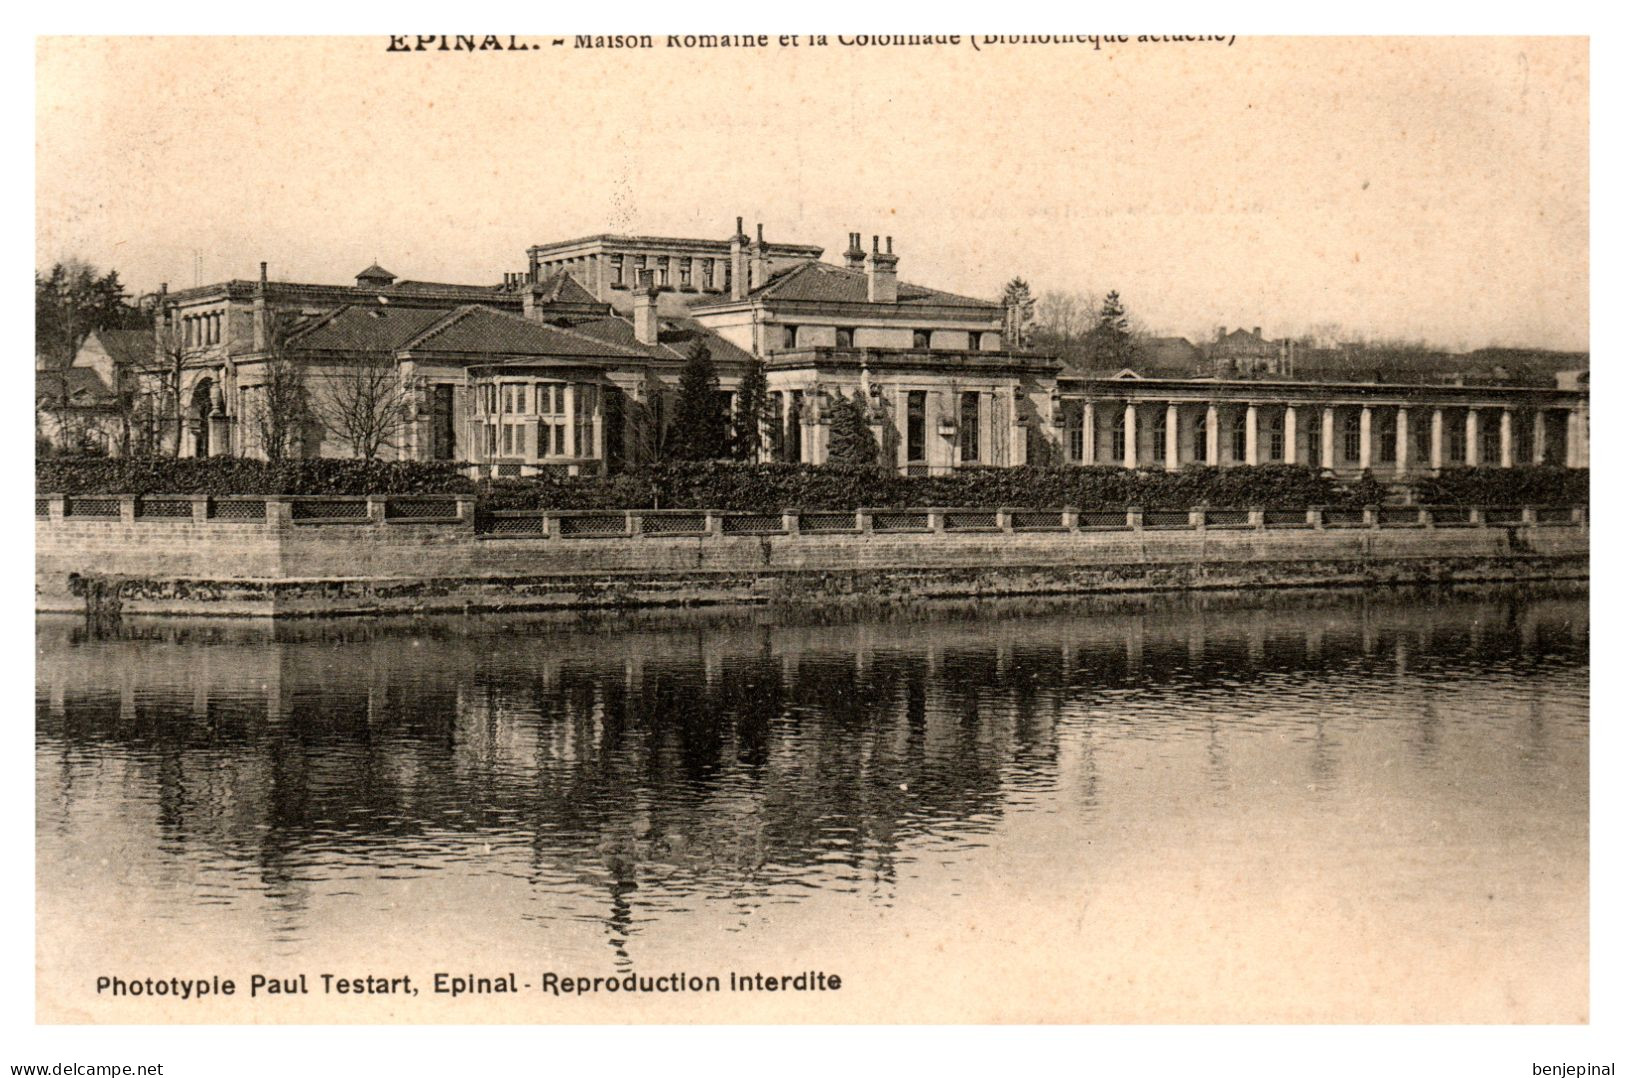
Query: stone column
1089,453
1252,435
569,421
1171,443
1328,437
1574,451
1289,427
1402,441
1213,435
1437,448
1365,437
1538,439
1472,437
1131,438
1506,437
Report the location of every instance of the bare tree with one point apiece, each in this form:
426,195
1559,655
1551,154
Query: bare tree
167,374
1065,316
279,405
366,403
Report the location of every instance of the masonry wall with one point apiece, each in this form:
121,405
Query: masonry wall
313,568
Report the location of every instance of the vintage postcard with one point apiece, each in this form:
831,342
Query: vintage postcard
732,528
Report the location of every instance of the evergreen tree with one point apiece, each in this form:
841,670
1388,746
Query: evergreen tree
699,429
1018,301
851,443
72,301
1111,343
750,412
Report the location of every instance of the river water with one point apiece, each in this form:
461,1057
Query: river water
1335,807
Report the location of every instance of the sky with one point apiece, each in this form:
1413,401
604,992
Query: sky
1416,188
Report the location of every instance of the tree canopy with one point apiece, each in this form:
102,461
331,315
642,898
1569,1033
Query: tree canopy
1111,341
699,422
851,443
73,300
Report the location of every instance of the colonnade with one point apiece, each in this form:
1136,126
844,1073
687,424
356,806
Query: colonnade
1392,437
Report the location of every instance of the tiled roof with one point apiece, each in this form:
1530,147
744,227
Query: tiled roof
563,288
84,387
375,270
442,286
820,282
676,337
128,347
481,330
367,327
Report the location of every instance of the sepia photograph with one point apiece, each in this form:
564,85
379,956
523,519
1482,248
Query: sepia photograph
812,529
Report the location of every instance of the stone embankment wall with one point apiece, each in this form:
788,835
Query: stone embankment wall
304,556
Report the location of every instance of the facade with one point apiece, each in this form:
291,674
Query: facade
573,363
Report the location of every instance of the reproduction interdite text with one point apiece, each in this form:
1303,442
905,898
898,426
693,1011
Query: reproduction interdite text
452,985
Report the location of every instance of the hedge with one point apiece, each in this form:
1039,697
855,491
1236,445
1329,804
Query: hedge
1505,486
232,475
770,488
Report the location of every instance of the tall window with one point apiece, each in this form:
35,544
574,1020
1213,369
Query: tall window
586,409
1159,436
1456,436
617,270
1388,440
1489,438
792,429
1523,440
1074,436
843,337
1120,436
1351,438
975,342
970,427
789,336
1277,437
685,270
1238,439
915,433
1311,434
1199,437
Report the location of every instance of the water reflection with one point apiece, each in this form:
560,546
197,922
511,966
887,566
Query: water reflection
616,774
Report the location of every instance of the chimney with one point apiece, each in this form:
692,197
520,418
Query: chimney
531,299
1258,331
854,250
1220,337
262,315
736,250
645,318
758,260
882,274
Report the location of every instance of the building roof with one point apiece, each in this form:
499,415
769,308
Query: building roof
366,327
720,246
375,272
563,288
483,331
820,282
83,385
127,347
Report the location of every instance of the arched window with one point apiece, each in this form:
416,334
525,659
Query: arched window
1120,436
1159,436
922,338
1238,439
1199,436
1388,439
1277,431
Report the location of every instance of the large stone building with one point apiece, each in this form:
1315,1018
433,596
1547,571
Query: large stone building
572,363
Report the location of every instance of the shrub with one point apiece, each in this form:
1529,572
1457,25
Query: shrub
1535,485
232,475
